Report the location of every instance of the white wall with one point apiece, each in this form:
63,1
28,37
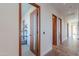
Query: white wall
64,29
46,26
9,29
58,31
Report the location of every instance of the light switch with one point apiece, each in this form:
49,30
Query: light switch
43,32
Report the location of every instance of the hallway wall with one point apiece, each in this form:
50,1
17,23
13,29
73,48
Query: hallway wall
64,29
46,26
9,29
58,31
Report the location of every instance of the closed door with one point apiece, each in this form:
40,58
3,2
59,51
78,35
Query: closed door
54,21
33,31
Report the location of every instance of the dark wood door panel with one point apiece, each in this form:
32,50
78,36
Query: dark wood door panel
54,21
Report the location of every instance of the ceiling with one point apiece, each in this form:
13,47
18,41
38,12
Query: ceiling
66,8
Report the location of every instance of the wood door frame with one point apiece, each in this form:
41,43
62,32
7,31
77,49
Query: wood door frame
20,16
53,45
60,30
20,48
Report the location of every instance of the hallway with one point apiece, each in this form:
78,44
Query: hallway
68,48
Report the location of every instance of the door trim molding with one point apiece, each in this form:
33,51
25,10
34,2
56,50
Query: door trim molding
20,50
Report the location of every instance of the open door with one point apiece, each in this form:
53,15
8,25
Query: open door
33,31
54,21
34,21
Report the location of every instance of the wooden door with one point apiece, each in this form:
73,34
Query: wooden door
54,21
33,31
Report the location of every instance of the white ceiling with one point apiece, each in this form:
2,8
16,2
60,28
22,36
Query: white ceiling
65,8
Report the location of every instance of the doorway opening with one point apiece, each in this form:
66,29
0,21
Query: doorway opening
29,33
